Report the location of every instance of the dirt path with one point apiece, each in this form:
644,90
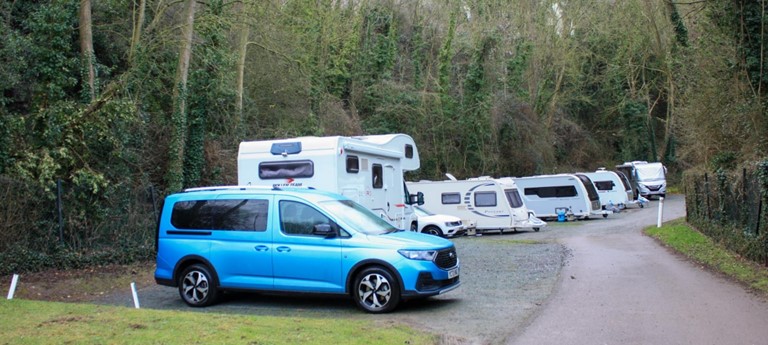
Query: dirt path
623,288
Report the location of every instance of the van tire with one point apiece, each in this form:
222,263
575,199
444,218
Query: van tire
376,290
433,230
197,286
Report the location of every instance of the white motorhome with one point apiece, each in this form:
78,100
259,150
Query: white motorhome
491,204
648,179
610,189
572,194
366,169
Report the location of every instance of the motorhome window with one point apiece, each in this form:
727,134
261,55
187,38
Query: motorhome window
408,151
591,191
286,169
513,197
300,219
353,164
235,214
604,185
485,199
552,192
378,176
450,198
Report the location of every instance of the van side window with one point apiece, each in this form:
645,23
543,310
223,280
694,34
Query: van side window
552,192
353,164
219,214
299,219
450,198
485,199
408,151
378,176
286,169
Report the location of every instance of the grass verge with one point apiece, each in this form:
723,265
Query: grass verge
35,322
681,237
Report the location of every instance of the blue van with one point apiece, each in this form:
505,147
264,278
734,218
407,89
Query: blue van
295,241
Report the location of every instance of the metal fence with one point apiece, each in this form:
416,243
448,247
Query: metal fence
64,226
730,208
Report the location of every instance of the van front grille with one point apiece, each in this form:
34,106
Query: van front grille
447,258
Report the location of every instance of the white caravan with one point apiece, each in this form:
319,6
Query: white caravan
610,189
572,194
366,169
490,204
649,179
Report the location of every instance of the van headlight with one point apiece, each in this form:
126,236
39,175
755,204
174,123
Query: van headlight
426,255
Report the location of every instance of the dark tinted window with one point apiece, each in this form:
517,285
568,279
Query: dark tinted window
604,185
353,164
485,199
286,169
235,214
552,192
513,197
299,219
451,198
591,191
378,176
624,180
408,151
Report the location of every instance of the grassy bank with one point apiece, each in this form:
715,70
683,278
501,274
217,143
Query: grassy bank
35,322
679,236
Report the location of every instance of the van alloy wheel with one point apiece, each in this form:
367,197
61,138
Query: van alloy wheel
376,291
197,287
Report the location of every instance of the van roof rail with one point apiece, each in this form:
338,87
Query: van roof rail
202,189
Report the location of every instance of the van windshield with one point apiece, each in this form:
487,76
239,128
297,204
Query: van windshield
360,218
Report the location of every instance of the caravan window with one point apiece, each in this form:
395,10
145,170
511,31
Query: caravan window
552,192
604,185
286,169
236,214
591,191
378,176
408,151
353,164
485,199
513,197
450,198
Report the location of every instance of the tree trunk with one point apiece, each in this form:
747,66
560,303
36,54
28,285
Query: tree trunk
242,50
86,46
138,25
175,175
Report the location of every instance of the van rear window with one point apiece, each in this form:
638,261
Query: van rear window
234,214
286,169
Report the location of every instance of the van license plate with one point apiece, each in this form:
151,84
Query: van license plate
453,273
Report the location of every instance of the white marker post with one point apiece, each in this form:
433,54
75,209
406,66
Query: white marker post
135,295
13,286
661,211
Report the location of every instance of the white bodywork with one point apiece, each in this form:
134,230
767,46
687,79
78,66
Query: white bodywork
366,169
437,224
610,189
573,193
490,204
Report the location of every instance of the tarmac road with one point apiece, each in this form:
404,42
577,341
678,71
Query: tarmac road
621,287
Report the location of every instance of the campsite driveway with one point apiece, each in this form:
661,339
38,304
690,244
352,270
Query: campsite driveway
595,281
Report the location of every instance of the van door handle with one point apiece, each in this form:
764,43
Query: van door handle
283,249
261,248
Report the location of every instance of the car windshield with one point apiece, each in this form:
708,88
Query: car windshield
422,212
358,217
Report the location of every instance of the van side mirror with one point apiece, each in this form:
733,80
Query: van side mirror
324,230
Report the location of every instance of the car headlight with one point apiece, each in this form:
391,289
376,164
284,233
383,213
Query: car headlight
427,255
